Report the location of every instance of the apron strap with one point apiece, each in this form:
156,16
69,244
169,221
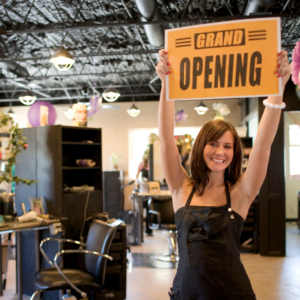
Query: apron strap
227,194
187,204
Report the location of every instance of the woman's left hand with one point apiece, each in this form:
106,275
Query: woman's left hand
284,69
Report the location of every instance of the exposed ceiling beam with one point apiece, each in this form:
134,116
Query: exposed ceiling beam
81,87
128,73
139,23
81,97
101,54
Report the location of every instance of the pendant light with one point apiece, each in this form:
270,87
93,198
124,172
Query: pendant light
62,60
133,111
69,113
201,108
111,94
27,98
11,112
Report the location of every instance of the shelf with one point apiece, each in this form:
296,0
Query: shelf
80,143
80,168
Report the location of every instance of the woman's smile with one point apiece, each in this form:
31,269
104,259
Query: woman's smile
219,154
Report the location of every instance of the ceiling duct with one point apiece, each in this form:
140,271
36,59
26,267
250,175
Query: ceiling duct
149,12
255,6
15,69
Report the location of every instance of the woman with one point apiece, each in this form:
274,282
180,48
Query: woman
144,169
211,205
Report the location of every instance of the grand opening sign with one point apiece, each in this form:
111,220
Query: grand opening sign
224,60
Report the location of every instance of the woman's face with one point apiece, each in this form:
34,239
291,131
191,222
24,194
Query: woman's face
218,154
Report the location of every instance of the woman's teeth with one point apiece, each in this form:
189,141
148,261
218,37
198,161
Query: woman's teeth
217,160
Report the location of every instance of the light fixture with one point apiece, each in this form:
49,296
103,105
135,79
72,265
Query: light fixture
201,108
69,113
62,60
110,94
27,98
11,113
133,111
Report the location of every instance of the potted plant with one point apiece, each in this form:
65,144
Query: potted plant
16,143
114,160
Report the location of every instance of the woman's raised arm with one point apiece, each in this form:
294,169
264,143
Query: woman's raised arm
170,159
255,174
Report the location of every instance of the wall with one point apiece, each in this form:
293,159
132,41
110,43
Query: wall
115,123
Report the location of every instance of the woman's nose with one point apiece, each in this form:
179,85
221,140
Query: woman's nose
219,150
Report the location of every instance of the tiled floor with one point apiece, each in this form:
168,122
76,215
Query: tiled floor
273,278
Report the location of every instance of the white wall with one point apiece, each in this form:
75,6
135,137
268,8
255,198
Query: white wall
116,123
292,185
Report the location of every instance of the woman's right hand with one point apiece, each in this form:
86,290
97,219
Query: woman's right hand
162,68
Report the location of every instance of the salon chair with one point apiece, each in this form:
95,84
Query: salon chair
161,216
99,239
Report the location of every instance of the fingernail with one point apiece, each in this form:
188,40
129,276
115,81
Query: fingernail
279,54
168,63
276,72
166,52
278,66
278,76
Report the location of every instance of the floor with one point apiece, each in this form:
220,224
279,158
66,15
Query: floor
272,278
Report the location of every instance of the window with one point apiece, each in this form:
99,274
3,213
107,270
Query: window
294,150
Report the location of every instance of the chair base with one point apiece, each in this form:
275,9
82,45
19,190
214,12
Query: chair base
168,258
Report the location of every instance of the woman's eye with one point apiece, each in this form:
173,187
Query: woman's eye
213,144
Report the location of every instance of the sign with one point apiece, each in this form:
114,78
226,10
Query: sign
224,60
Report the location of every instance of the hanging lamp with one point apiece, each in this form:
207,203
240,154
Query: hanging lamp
201,108
111,94
133,111
11,113
69,112
27,97
62,60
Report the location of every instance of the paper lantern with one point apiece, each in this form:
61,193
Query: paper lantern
42,113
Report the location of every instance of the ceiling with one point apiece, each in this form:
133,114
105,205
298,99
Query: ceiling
114,42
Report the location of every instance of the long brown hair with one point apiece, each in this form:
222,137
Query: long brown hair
212,131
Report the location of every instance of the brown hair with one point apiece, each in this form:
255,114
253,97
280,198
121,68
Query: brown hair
212,131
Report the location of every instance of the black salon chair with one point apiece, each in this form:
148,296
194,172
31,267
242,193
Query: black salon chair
99,239
161,216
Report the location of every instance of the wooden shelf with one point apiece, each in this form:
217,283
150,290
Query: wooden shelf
80,168
80,143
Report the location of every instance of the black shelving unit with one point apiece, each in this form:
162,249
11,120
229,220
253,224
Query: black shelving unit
51,159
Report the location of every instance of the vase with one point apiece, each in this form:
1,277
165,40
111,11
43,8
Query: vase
7,206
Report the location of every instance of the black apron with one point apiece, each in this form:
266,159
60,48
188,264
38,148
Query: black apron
209,267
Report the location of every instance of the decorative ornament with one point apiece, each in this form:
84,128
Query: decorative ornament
95,105
42,113
295,64
180,116
85,163
222,110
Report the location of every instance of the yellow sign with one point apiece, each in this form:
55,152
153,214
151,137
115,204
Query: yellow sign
224,60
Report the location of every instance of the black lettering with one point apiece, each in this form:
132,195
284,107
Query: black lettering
230,70
197,70
241,69
255,72
185,67
220,71
208,71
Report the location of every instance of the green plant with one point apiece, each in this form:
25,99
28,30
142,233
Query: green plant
17,142
114,159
